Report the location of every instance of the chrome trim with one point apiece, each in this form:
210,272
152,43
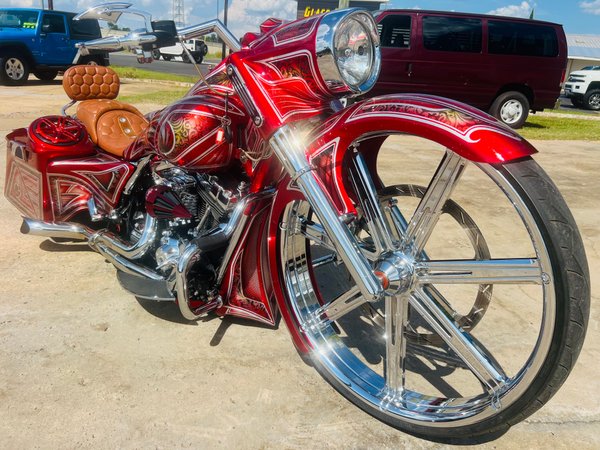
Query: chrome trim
212,26
291,153
96,239
112,11
115,43
136,250
138,171
63,230
191,255
244,94
126,265
326,54
236,226
106,244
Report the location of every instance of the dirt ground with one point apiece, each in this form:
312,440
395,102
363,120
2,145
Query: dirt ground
85,365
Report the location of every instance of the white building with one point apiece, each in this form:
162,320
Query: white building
584,50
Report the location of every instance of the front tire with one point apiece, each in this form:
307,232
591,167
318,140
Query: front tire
591,100
14,70
511,108
436,390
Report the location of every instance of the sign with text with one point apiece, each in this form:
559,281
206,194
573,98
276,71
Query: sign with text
308,8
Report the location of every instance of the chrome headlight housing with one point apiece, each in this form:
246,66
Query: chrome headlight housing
347,50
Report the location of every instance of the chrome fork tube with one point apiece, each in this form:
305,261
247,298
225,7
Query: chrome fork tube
291,153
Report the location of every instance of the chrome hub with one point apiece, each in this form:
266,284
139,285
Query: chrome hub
396,272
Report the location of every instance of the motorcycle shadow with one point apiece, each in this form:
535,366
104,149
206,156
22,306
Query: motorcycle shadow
50,245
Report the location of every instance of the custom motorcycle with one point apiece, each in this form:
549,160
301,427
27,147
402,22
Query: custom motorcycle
449,301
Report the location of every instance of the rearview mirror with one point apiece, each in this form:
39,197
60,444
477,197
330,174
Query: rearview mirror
111,12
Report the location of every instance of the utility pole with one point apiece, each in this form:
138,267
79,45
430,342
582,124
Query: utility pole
51,4
178,13
226,6
344,4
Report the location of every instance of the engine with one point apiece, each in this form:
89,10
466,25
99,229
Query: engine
188,206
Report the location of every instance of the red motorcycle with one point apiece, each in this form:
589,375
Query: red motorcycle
451,307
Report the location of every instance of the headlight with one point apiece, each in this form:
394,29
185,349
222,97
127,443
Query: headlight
347,50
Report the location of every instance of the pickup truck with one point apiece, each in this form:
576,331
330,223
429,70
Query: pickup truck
42,42
583,88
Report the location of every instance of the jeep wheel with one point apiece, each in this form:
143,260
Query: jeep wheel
591,100
198,58
46,75
167,57
14,70
156,54
511,108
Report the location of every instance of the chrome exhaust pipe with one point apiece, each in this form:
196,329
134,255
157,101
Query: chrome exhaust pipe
113,248
61,230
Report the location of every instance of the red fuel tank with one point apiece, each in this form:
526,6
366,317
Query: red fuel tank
191,132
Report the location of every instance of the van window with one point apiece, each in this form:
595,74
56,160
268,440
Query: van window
395,31
53,23
508,38
452,34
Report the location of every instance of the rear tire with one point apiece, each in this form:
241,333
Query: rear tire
14,70
511,108
591,100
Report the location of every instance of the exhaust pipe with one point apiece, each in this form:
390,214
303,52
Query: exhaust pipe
113,248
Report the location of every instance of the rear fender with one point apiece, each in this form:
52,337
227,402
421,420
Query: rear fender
465,130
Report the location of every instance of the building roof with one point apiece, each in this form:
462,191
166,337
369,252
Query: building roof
584,46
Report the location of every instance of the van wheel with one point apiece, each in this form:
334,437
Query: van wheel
511,108
14,70
591,100
46,75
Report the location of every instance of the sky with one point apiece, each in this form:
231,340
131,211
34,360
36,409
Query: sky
577,16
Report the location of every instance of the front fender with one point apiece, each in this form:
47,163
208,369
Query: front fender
463,129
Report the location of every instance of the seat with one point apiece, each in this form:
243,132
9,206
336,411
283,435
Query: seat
111,124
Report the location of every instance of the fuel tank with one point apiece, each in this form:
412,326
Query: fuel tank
202,131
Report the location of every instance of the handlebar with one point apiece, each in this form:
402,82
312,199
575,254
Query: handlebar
116,43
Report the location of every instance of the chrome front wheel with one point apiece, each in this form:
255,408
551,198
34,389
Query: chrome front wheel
441,356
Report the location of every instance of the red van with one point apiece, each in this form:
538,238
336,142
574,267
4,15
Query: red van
503,65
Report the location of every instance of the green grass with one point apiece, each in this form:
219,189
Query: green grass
142,74
559,128
163,97
577,112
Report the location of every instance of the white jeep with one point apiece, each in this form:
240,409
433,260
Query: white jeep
583,88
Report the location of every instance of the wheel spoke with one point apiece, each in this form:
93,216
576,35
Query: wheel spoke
367,196
315,232
493,271
430,207
396,318
335,309
462,343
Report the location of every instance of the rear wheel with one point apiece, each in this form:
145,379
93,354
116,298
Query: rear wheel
441,356
512,108
591,100
167,57
14,70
